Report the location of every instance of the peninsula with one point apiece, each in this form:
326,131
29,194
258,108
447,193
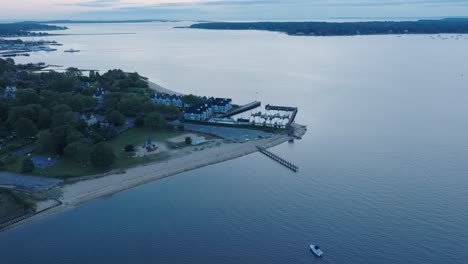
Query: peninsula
67,138
443,26
26,29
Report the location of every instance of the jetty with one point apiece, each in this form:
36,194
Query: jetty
278,159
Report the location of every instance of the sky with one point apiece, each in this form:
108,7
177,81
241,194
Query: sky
228,9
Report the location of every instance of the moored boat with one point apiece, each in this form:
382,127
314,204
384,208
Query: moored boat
72,50
316,250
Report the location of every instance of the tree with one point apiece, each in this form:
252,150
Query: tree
75,102
43,119
25,128
62,84
45,142
64,119
26,96
27,111
3,111
61,108
116,118
154,121
102,155
139,121
73,135
27,165
59,137
78,151
192,99
188,140
129,148
73,72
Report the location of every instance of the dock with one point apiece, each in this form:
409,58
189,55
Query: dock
278,159
242,109
294,111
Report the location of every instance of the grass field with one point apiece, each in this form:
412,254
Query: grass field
136,136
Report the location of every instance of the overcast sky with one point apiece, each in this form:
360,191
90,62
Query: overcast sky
228,9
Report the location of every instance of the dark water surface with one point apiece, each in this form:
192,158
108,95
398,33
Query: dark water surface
383,168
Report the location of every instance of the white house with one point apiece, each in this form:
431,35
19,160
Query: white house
168,100
221,105
10,92
198,112
198,140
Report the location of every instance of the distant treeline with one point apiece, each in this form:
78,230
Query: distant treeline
101,21
24,29
449,26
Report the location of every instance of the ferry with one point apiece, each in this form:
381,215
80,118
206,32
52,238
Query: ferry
72,50
317,251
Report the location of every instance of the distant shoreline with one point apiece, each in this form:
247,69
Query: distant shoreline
443,26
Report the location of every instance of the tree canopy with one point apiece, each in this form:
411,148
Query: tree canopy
102,155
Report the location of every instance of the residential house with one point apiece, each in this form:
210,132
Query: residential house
99,95
10,92
198,112
168,100
221,105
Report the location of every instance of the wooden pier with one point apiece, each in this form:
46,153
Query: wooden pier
278,159
242,109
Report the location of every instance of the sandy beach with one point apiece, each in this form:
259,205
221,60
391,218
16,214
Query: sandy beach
158,88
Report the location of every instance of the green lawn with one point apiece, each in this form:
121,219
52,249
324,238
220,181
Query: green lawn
136,136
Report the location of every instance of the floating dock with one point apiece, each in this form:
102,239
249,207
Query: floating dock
294,111
278,159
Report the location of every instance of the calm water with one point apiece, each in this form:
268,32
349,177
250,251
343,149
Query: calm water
383,166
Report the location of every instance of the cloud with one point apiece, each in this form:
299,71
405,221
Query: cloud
228,9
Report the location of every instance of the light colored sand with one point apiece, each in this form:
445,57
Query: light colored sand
87,190
161,89
142,152
181,138
44,205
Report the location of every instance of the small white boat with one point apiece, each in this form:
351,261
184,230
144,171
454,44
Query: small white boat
72,50
317,251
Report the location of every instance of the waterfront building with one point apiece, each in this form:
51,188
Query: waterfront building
168,100
221,105
198,112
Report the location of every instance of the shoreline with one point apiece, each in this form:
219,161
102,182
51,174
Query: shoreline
87,190
179,161
158,88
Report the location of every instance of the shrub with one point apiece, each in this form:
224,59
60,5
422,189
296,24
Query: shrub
129,148
27,165
116,118
139,121
102,155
